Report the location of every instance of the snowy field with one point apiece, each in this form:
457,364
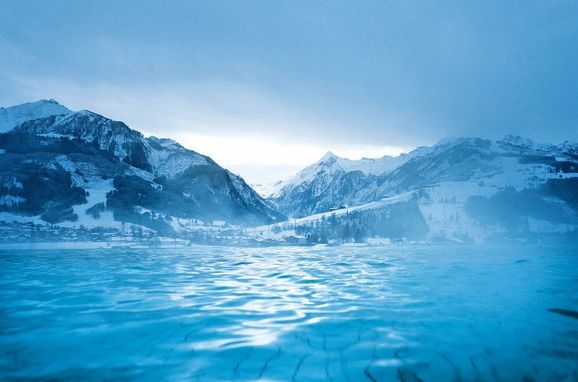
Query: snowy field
412,313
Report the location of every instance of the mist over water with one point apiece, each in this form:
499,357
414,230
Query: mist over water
309,313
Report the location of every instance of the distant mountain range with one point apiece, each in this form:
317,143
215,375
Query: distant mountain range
461,188
80,170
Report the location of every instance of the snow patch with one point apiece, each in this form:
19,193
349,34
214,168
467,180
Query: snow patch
96,190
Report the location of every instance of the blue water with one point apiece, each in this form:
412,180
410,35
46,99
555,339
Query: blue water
339,314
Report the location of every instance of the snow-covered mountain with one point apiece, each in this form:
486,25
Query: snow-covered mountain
80,168
461,187
332,182
11,117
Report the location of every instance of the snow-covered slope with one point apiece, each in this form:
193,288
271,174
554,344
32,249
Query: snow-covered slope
334,181
267,189
330,165
80,168
11,117
464,187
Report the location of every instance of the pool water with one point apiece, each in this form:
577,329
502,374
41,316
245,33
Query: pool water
414,313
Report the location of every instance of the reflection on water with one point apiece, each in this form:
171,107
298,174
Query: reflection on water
351,314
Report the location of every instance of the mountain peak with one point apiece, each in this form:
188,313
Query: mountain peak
38,104
50,101
328,156
13,116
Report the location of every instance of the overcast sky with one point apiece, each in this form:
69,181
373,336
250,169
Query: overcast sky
267,87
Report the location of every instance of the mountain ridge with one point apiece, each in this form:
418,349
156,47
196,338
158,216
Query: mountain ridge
81,170
151,182
12,116
463,187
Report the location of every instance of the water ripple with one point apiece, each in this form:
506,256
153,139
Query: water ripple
211,313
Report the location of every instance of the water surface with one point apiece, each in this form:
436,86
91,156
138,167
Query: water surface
338,314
